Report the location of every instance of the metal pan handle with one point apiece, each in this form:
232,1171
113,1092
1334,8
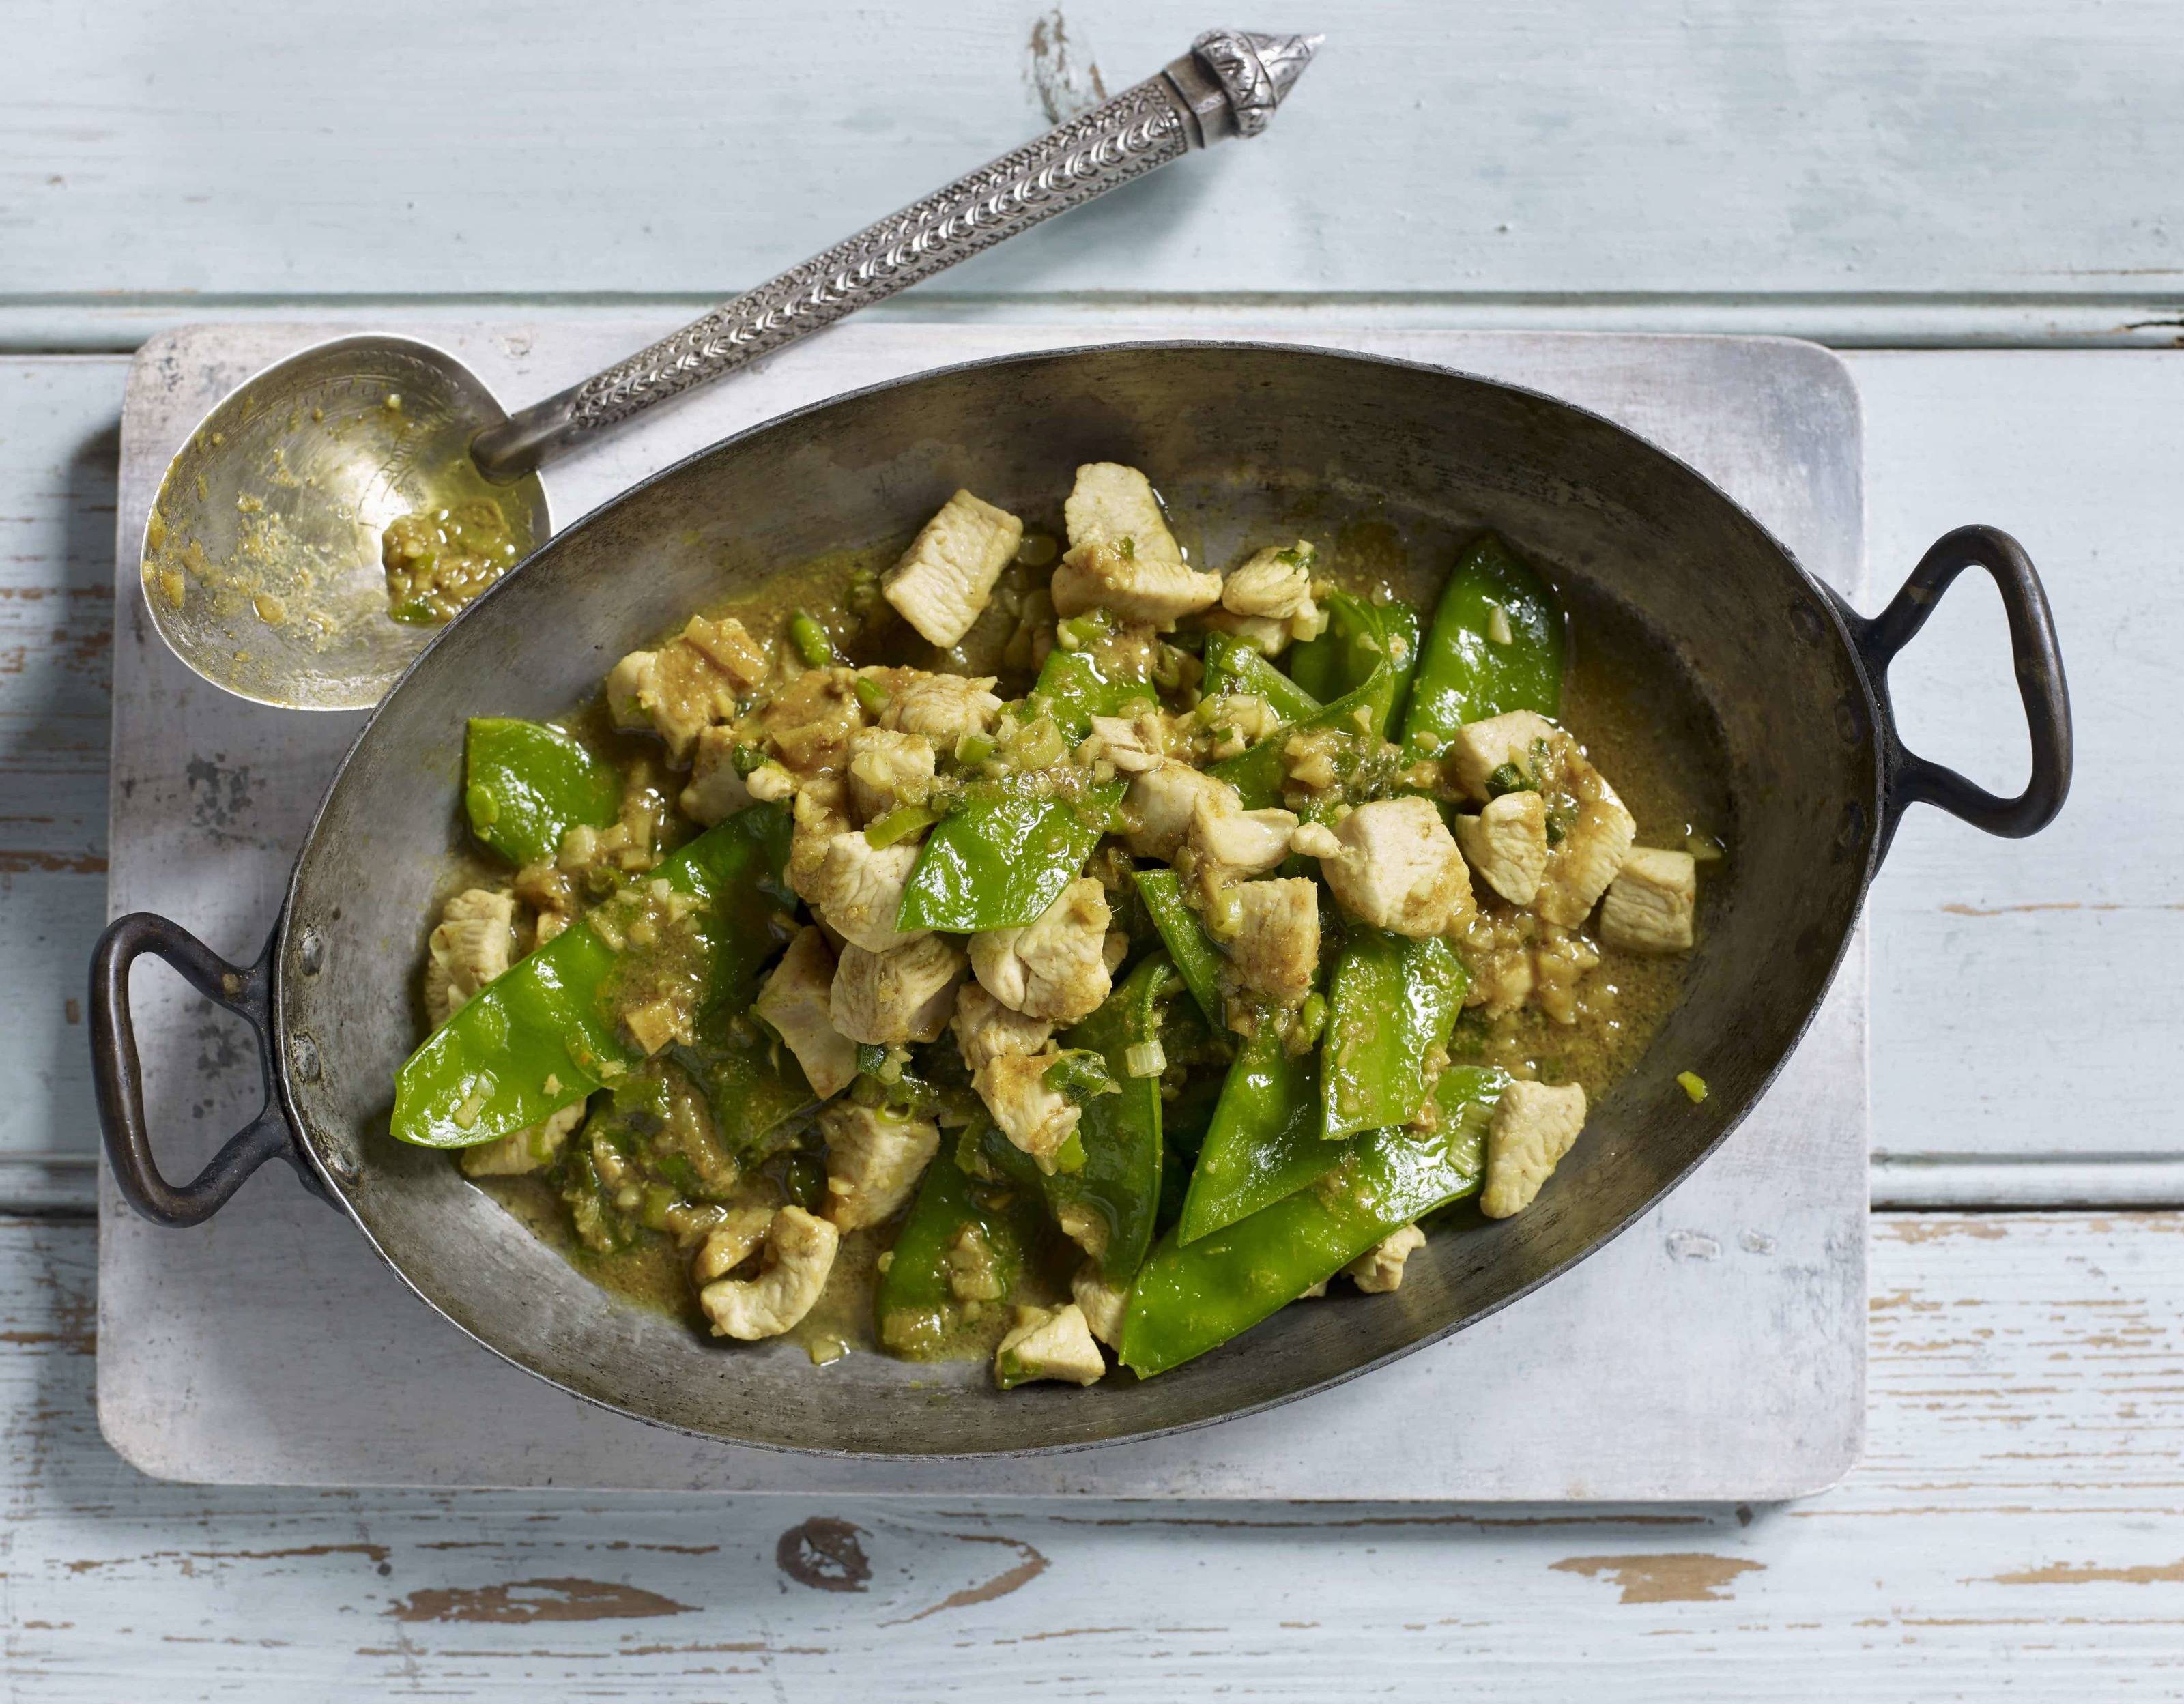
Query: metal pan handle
1908,779
119,1082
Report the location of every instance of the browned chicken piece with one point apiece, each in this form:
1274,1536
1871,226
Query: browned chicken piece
1238,842
1379,1269
1398,868
873,1163
688,684
1102,1304
1136,587
1276,950
717,790
1595,829
799,1253
795,1000
1048,1342
942,708
986,1030
943,581
1133,744
1110,502
1533,1126
1035,1116
858,890
1650,903
888,769
1055,967
469,946
1158,808
1506,844
808,721
1275,585
903,995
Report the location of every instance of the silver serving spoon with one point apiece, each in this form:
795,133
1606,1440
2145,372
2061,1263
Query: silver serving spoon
262,559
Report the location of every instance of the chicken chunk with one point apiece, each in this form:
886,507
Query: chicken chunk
1055,967
1133,744
1138,589
689,683
975,1272
1102,1304
1263,633
794,1001
1521,740
1650,903
739,1234
717,789
1276,951
1589,830
944,708
468,948
1160,804
1399,869
902,995
1239,843
858,889
808,723
1506,844
1275,585
986,1030
1533,1126
819,810
1035,1116
943,581
799,1253
1046,1342
873,1162
888,769
1379,1269
1110,503
524,1151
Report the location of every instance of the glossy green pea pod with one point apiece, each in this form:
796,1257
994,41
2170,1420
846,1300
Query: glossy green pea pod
527,783
1233,666
1075,686
1392,1002
1000,858
1119,1186
1264,1142
914,1306
1191,1297
551,1019
1257,775
1196,959
1464,675
1366,645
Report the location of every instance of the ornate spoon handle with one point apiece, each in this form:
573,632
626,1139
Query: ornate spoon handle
1228,84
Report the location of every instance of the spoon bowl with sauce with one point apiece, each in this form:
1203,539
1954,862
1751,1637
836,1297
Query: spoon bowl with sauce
333,512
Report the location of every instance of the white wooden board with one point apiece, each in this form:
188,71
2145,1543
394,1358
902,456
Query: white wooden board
2012,1532
1845,168
1716,1350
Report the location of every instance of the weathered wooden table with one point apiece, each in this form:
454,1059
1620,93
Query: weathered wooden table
1980,202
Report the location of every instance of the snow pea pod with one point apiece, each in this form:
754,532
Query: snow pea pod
1264,1142
1075,686
1392,1002
1257,775
1233,666
527,783
1113,1200
547,1033
1372,645
1191,1297
1197,959
914,1306
1001,857
1496,645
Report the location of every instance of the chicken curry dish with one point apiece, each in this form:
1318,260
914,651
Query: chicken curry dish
1040,945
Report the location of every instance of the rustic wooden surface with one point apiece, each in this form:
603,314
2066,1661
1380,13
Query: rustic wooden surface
1971,172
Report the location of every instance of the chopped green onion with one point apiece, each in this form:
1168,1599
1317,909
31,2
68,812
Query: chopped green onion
1168,662
900,824
810,641
748,760
872,695
1224,916
1509,779
1070,1155
1082,1075
973,748
1311,1020
1128,546
1037,549
1145,1059
1693,1084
